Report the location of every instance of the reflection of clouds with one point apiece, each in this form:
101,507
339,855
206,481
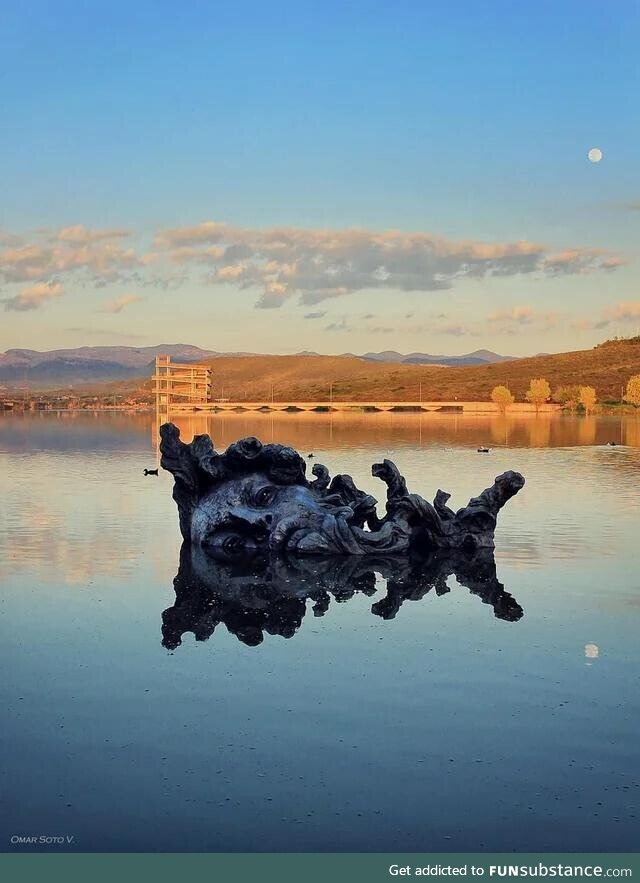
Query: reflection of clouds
76,516
47,542
73,431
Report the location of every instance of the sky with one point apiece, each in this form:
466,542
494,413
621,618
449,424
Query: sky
319,175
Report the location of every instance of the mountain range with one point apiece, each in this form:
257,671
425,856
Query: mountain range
477,357
88,363
66,367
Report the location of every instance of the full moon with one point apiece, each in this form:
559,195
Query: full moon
595,154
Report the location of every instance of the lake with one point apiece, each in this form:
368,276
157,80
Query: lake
369,718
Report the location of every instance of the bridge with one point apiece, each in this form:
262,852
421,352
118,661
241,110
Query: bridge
451,407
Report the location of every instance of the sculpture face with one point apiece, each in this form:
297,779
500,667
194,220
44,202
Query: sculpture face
255,499
244,516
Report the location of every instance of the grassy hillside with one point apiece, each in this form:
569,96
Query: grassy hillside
308,378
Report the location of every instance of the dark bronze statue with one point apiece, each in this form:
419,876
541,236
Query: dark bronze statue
255,499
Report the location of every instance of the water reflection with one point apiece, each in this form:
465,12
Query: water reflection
269,596
89,431
416,430
235,748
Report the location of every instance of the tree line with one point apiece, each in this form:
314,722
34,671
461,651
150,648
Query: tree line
571,396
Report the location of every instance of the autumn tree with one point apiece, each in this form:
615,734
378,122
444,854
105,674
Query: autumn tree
539,392
632,394
567,396
588,398
502,397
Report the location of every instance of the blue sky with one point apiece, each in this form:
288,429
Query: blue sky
464,123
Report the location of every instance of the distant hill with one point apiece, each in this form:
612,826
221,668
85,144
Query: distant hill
313,378
85,364
478,357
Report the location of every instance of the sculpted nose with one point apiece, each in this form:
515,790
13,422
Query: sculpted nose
250,521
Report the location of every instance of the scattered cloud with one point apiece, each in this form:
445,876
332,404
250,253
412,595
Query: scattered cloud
78,234
625,311
315,265
515,319
581,260
198,234
121,303
589,324
37,261
455,330
8,238
94,256
286,263
34,297
520,315
341,325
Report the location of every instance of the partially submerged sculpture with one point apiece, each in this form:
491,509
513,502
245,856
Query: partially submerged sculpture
268,596
255,499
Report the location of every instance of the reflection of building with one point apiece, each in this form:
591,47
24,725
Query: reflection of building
180,383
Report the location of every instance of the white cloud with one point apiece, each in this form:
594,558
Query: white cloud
283,263
8,238
38,260
316,265
121,303
78,234
625,311
520,315
34,297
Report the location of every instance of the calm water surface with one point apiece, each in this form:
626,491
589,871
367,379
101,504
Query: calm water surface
431,724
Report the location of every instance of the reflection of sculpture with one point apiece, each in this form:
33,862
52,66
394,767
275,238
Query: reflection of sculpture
255,498
269,595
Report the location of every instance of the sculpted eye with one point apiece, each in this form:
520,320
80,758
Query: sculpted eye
233,545
265,496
